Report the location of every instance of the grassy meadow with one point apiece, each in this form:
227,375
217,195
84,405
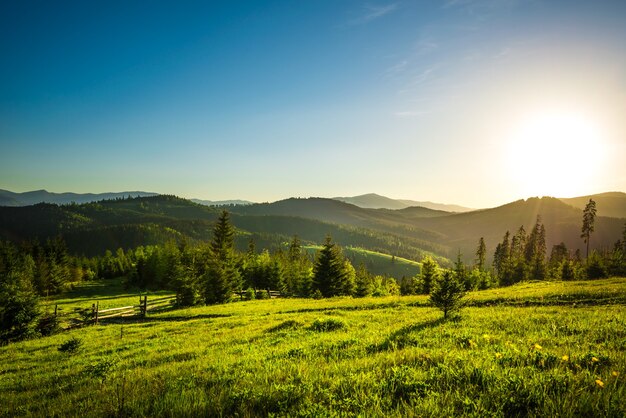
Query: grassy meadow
534,349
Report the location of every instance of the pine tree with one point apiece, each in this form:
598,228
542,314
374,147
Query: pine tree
589,216
481,254
222,276
19,303
518,261
447,293
502,259
535,251
331,275
429,273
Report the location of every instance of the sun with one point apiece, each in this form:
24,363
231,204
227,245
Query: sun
554,153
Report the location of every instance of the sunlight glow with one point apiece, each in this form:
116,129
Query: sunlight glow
554,153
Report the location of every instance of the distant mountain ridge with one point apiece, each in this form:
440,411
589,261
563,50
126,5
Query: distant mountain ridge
8,198
376,201
612,204
91,228
222,202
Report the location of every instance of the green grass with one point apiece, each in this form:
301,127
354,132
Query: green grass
524,350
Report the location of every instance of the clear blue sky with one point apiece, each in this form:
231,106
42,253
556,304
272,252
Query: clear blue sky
428,100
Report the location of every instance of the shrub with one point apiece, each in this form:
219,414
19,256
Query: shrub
262,294
100,369
71,346
250,294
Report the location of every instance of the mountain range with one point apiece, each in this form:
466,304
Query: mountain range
411,233
8,198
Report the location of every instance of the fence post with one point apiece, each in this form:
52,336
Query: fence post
95,310
143,305
55,310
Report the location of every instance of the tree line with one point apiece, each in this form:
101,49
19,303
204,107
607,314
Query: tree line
215,272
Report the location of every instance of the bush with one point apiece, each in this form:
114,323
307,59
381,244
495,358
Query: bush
262,294
100,369
71,346
595,267
250,294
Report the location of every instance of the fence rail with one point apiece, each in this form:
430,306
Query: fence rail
93,315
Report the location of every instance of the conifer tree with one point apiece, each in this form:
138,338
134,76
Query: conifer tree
535,251
429,273
222,276
19,304
447,293
481,254
331,275
502,260
589,217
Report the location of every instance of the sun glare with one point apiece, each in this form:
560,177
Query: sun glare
554,154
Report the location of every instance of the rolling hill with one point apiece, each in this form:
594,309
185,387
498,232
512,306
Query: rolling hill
611,204
455,231
411,233
92,228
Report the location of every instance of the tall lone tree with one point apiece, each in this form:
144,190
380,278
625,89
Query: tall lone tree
222,276
481,254
589,216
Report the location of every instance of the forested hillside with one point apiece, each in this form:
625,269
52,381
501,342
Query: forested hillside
92,228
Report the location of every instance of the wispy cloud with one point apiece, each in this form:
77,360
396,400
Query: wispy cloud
396,69
372,13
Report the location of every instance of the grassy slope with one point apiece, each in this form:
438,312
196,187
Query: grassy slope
393,356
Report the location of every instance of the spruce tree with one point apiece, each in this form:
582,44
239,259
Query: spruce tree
447,293
19,303
535,251
481,254
589,217
331,275
429,273
222,277
502,260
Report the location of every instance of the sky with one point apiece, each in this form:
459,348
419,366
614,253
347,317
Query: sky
472,102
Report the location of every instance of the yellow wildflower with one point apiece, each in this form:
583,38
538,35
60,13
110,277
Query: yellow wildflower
615,374
565,357
594,359
600,383
498,355
486,336
537,346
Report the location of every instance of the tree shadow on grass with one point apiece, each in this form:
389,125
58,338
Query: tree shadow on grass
148,319
404,337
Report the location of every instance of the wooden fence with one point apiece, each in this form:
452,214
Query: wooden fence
95,314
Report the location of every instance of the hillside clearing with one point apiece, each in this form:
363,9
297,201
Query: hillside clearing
371,356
